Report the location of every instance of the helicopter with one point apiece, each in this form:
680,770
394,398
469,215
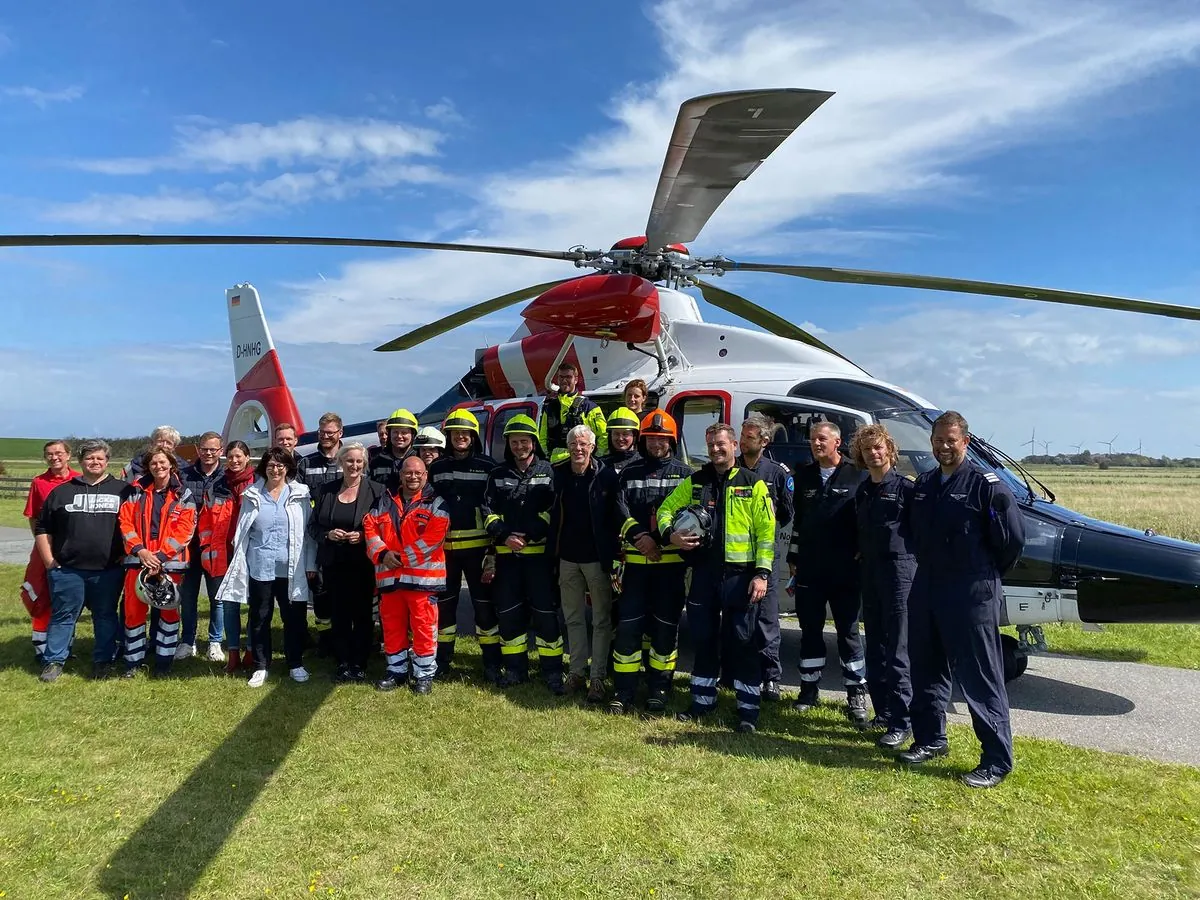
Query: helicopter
631,317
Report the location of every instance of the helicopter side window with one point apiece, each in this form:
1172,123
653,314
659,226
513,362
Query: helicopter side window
790,426
693,415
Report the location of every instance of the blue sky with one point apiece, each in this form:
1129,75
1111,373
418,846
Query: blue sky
987,140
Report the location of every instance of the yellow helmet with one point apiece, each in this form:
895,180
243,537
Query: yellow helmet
521,424
402,418
461,418
623,417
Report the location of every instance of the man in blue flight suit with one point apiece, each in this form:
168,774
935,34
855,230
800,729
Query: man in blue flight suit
754,439
824,544
967,532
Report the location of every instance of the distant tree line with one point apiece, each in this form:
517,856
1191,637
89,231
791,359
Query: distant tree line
1111,460
126,448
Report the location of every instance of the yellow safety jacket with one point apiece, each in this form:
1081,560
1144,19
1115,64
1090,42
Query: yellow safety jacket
743,516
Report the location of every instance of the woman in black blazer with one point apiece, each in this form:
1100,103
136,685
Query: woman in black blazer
346,572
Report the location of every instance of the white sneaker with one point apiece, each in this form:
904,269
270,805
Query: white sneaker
183,651
299,674
215,653
258,679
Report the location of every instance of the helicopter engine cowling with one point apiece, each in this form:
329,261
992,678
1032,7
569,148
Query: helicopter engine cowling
608,307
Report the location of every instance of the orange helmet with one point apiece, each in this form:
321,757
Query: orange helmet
658,423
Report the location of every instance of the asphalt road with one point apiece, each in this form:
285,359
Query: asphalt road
1121,707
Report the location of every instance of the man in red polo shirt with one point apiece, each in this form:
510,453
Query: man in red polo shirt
35,593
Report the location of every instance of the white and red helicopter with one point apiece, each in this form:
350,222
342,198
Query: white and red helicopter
630,318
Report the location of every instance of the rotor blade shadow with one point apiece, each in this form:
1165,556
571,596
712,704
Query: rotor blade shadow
173,848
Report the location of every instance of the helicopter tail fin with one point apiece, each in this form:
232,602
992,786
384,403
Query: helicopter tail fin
263,398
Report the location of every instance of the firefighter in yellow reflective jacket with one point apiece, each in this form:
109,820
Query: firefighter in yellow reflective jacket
564,410
516,510
723,520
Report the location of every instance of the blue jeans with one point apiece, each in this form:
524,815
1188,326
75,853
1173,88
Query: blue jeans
72,589
189,595
233,614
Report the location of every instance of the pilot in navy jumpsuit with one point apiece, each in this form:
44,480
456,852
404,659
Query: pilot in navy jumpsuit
967,531
887,565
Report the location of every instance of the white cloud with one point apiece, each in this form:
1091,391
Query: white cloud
444,112
253,145
39,97
6,43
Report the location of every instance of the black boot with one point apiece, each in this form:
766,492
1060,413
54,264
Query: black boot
423,685
810,695
656,703
392,681
856,705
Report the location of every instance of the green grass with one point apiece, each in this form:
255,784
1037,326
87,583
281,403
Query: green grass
198,786
11,509
21,448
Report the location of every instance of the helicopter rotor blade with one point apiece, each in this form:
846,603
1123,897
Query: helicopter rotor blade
967,286
761,317
463,316
718,142
136,240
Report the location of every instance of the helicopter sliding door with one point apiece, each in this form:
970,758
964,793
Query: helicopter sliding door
694,412
791,422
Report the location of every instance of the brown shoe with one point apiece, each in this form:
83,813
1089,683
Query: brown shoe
596,691
233,662
575,683
248,660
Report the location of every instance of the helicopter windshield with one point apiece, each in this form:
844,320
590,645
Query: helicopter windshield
911,430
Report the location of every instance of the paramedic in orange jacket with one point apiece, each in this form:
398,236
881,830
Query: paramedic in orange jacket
157,523
404,535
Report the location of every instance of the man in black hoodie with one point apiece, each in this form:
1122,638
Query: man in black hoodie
79,540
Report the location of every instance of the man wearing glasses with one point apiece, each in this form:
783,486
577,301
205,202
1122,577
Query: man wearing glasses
199,478
314,470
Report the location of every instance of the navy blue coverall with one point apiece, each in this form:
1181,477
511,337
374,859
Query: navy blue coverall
824,542
887,565
968,531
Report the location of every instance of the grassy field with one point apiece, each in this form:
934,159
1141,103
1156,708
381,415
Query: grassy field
197,786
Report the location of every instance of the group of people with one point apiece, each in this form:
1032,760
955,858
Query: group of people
585,513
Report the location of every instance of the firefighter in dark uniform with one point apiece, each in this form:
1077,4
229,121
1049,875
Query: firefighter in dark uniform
754,439
566,408
516,508
881,506
822,555
731,570
623,427
652,575
460,478
384,467
968,531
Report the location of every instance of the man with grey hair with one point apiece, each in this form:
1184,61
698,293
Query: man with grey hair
583,538
824,544
78,539
753,442
199,478
164,437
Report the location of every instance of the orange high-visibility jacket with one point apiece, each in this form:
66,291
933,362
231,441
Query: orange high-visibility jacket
416,532
176,524
217,520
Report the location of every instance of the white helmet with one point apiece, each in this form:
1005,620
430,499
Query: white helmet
158,591
429,437
695,520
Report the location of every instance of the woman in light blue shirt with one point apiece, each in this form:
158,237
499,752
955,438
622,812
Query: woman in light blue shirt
272,559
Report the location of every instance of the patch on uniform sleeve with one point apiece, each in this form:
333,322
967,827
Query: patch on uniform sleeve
992,477
791,483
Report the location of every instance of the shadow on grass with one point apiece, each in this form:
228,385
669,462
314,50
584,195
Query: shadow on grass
171,850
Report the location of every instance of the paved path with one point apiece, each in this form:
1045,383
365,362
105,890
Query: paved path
15,544
1123,707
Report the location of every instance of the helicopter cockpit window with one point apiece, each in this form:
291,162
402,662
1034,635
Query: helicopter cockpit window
790,424
910,431
502,418
693,415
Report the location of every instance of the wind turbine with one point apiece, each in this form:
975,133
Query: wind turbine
1078,447
1032,442
1045,447
1138,451
1109,444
